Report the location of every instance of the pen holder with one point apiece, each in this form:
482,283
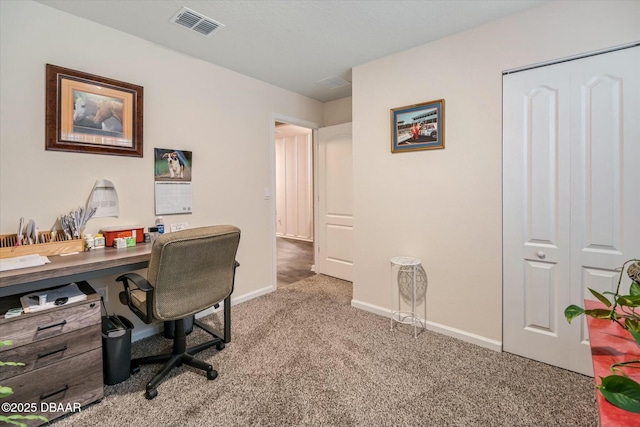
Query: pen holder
55,244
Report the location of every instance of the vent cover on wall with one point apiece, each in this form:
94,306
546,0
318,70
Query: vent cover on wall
196,22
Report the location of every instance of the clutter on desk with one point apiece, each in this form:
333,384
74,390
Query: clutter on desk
24,261
112,233
74,223
50,243
160,225
124,242
99,241
13,312
66,236
51,298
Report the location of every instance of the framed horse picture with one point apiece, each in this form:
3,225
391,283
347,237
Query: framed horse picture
92,114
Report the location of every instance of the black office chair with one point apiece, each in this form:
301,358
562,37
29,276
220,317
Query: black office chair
189,271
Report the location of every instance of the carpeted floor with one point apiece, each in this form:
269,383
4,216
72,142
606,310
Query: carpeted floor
302,356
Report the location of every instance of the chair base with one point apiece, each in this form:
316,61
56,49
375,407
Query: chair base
175,359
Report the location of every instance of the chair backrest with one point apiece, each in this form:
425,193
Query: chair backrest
192,270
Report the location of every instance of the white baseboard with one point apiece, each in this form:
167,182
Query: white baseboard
436,327
156,328
146,331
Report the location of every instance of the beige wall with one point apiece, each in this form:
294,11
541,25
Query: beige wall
445,206
337,112
223,117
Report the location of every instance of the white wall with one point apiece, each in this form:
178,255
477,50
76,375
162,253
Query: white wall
294,182
444,206
223,117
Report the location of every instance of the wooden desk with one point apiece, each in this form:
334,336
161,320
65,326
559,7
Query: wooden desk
611,344
61,347
74,268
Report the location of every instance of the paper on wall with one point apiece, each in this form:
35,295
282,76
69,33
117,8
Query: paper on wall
104,198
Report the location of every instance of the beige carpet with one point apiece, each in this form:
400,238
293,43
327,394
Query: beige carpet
302,356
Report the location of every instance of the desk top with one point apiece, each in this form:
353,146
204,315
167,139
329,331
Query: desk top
70,268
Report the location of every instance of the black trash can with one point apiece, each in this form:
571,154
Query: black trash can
116,348
170,327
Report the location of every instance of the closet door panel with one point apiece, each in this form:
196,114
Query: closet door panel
536,239
605,205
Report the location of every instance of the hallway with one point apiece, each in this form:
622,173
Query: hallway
295,259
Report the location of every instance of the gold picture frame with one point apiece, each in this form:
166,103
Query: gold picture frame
92,114
418,127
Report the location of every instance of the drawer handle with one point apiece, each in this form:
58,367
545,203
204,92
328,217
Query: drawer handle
42,328
63,389
41,355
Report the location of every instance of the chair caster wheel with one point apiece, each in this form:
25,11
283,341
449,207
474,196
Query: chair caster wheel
150,394
220,346
212,374
134,369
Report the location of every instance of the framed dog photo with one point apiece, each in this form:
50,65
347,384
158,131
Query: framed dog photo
418,127
92,114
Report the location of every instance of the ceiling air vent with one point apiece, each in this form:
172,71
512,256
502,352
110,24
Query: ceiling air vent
333,82
196,22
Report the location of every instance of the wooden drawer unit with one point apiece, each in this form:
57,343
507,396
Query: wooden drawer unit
62,352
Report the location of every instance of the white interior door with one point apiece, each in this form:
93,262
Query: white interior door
335,202
570,205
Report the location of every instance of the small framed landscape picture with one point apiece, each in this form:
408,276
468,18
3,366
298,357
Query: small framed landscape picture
418,127
92,114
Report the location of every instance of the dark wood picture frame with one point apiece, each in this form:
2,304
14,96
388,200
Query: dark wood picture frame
418,127
92,114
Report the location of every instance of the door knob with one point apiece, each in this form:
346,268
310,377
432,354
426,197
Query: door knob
541,255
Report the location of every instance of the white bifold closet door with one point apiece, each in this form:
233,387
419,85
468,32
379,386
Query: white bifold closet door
571,197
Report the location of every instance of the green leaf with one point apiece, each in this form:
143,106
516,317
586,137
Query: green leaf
572,312
599,313
600,297
11,364
5,392
629,300
622,392
14,419
634,289
634,330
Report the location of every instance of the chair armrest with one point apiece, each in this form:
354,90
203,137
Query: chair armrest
137,280
141,284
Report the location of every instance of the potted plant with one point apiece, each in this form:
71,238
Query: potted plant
617,388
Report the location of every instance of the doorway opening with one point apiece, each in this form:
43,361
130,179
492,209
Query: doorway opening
294,207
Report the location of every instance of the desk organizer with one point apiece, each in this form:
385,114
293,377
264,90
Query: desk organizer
55,245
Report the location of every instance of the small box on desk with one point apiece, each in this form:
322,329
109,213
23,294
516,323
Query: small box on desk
55,244
112,233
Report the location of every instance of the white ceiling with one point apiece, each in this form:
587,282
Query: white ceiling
294,44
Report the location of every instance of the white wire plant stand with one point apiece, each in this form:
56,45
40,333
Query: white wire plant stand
408,293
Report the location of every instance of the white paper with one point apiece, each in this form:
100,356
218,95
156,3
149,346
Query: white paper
173,198
24,261
104,198
71,292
